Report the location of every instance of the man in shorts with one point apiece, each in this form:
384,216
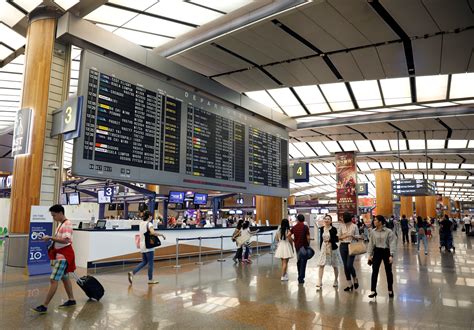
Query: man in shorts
62,259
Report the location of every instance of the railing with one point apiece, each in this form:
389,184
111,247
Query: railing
221,259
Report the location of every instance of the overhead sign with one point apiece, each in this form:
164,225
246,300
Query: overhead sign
362,189
21,132
413,187
301,172
66,119
41,224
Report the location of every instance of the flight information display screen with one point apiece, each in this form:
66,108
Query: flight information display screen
139,127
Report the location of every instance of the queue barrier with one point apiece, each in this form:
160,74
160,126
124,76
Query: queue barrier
221,259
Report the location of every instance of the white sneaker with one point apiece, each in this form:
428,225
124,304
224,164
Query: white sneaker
286,277
130,277
153,282
335,285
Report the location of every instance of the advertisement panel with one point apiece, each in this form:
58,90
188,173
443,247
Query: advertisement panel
346,191
41,224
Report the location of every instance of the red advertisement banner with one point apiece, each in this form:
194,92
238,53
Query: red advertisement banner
346,172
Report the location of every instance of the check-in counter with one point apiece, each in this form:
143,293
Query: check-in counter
109,247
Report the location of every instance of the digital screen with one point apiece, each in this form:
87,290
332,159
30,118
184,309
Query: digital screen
112,207
139,127
74,198
232,212
324,211
268,159
176,197
314,211
238,212
63,199
240,201
292,211
200,199
102,199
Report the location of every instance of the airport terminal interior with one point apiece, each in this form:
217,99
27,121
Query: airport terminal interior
208,122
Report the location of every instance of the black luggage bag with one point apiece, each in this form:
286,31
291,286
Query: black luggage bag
413,237
91,286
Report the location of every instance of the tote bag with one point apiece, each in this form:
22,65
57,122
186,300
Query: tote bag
357,248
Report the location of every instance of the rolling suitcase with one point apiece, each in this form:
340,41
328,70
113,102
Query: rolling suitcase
413,237
91,286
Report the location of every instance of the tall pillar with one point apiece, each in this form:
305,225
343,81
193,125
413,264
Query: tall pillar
383,192
406,206
28,169
269,208
420,206
446,206
291,200
430,206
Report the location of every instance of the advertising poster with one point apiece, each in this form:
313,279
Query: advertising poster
346,191
41,224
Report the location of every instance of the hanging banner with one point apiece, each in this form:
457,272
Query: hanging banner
41,224
346,171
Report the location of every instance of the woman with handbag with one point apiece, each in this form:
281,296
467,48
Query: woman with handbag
347,234
329,252
238,254
382,246
148,242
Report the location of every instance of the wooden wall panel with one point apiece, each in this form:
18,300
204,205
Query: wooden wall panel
269,208
27,171
383,192
430,206
420,206
406,206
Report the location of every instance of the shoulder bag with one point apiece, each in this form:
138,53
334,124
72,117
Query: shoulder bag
357,248
151,241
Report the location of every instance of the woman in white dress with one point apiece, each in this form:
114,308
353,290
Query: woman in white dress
285,249
329,254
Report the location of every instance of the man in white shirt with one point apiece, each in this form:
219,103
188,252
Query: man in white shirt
467,223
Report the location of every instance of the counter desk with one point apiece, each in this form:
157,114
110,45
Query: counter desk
111,247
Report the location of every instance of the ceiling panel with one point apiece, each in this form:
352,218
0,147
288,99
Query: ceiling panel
335,131
320,70
457,51
368,62
225,62
334,23
450,15
346,66
248,52
301,72
412,16
286,76
427,55
253,80
393,60
361,15
306,27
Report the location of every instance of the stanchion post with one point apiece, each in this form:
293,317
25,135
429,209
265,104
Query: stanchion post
222,250
177,254
5,252
257,254
200,249
271,245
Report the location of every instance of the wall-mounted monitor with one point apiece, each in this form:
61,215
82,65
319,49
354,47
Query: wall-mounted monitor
120,207
200,199
238,212
292,211
231,211
63,199
102,199
323,211
314,211
176,197
74,198
112,207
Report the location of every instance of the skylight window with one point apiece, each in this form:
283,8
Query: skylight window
387,165
461,85
381,145
337,96
287,101
439,165
396,164
157,25
467,166
295,152
28,5
457,144
226,6
348,145
374,165
10,37
431,88
110,15
66,4
363,166
321,168
332,146
440,104
452,166
9,14
394,144
367,93
319,148
312,98
185,12
263,98
305,149
396,91
416,144
412,166
364,145
142,38
435,144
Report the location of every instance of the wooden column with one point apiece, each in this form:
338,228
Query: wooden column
291,200
420,206
430,206
383,192
446,205
406,206
27,169
269,208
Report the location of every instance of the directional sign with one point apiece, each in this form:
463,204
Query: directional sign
301,172
412,187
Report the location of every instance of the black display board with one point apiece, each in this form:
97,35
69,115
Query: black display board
413,187
140,128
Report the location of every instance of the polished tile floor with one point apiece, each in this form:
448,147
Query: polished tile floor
434,291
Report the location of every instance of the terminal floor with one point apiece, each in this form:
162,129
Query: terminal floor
434,291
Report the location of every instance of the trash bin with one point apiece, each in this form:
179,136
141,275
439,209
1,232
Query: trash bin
16,250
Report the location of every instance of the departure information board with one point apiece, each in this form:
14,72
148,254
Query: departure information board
139,127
